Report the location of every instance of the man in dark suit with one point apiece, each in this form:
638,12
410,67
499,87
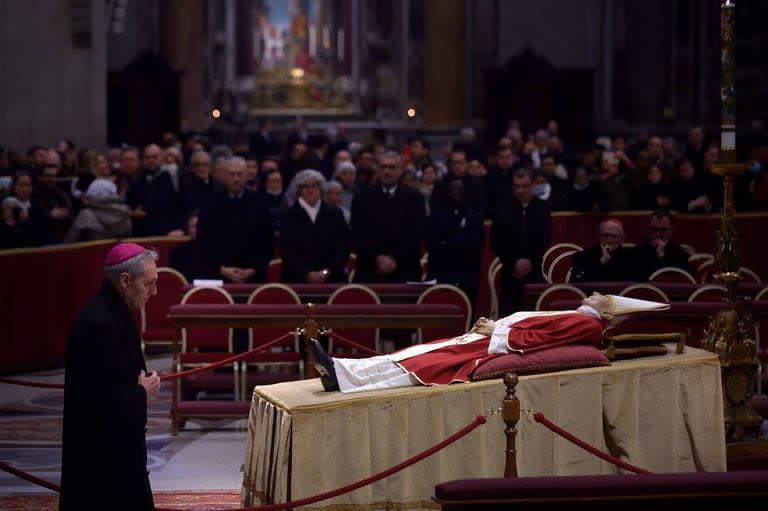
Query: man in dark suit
388,227
520,234
455,239
659,250
235,230
106,391
262,142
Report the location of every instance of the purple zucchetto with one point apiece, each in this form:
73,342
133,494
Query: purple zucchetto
122,252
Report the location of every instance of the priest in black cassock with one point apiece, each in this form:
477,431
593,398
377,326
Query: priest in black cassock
235,231
106,390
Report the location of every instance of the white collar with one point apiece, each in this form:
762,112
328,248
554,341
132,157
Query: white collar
312,211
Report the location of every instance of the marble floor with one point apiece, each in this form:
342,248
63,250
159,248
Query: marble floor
205,455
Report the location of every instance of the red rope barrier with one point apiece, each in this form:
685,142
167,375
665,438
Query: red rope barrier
29,477
225,361
172,376
480,419
352,344
539,417
25,383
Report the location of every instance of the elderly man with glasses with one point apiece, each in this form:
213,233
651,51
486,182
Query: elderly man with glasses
608,260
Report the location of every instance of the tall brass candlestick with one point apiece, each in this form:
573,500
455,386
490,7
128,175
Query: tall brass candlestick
727,333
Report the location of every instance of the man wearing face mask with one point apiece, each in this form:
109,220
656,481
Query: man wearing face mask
157,206
608,261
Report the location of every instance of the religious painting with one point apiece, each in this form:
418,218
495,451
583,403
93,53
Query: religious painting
302,53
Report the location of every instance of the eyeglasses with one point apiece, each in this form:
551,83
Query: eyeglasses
660,230
311,185
457,162
387,166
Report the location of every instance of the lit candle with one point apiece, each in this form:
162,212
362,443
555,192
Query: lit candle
727,89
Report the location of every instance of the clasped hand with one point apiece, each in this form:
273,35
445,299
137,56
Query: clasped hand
150,383
484,326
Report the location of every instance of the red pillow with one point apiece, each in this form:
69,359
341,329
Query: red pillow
560,358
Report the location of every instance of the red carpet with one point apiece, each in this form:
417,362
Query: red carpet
182,499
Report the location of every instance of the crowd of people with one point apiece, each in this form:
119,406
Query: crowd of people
322,196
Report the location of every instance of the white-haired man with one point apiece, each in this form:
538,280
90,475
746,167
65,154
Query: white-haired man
106,391
453,360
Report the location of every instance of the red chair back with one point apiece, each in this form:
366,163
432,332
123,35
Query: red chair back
368,337
552,254
270,294
274,269
445,294
748,275
706,272
560,270
556,293
156,327
645,292
709,293
284,359
671,274
493,284
207,338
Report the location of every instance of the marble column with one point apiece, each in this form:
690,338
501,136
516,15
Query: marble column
182,25
444,41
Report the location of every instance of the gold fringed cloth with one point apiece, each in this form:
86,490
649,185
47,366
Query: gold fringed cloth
661,413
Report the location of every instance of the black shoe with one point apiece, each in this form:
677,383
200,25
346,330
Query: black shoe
324,365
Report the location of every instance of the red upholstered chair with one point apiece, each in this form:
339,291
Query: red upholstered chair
560,270
709,293
493,285
748,275
204,345
645,292
552,254
201,346
558,292
155,326
700,258
368,337
445,294
274,268
706,272
282,362
670,274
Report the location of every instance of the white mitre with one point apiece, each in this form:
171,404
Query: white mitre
621,305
